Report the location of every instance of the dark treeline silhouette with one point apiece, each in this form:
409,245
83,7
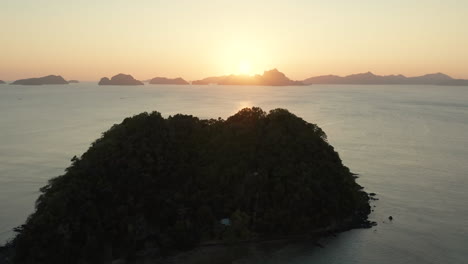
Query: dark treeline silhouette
171,184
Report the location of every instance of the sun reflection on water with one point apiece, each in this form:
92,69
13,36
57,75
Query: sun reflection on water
244,104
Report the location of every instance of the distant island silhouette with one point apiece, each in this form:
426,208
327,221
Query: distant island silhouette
270,78
370,78
120,79
164,80
50,79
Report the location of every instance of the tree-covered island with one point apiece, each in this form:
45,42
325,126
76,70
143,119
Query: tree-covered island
170,184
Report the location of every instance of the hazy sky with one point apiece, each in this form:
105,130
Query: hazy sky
88,39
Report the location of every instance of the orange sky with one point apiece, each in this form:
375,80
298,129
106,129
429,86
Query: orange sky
86,40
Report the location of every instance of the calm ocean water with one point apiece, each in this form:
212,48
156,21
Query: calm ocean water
408,143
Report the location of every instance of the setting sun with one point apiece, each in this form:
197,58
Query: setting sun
245,68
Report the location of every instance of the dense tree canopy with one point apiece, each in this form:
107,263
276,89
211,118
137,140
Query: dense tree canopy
168,183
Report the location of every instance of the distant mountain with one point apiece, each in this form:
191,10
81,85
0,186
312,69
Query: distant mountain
120,79
435,78
73,81
275,77
370,78
2,82
51,79
271,77
164,80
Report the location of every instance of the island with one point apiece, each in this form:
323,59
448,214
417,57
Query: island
2,82
269,78
165,185
73,81
164,80
46,80
454,82
370,78
120,79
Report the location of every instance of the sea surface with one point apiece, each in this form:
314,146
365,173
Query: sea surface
409,144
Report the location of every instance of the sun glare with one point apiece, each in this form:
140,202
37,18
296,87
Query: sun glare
243,104
245,68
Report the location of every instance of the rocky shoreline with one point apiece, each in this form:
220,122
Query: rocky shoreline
226,252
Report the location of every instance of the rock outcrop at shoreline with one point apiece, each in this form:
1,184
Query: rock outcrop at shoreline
164,80
120,79
154,184
270,78
46,80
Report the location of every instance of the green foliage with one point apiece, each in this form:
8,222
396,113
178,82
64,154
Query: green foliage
169,182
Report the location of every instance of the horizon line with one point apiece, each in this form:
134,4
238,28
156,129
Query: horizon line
233,74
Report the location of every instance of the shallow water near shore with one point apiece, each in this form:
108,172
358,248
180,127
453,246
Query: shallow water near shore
409,144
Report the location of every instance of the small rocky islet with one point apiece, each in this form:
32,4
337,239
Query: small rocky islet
164,80
165,185
120,79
